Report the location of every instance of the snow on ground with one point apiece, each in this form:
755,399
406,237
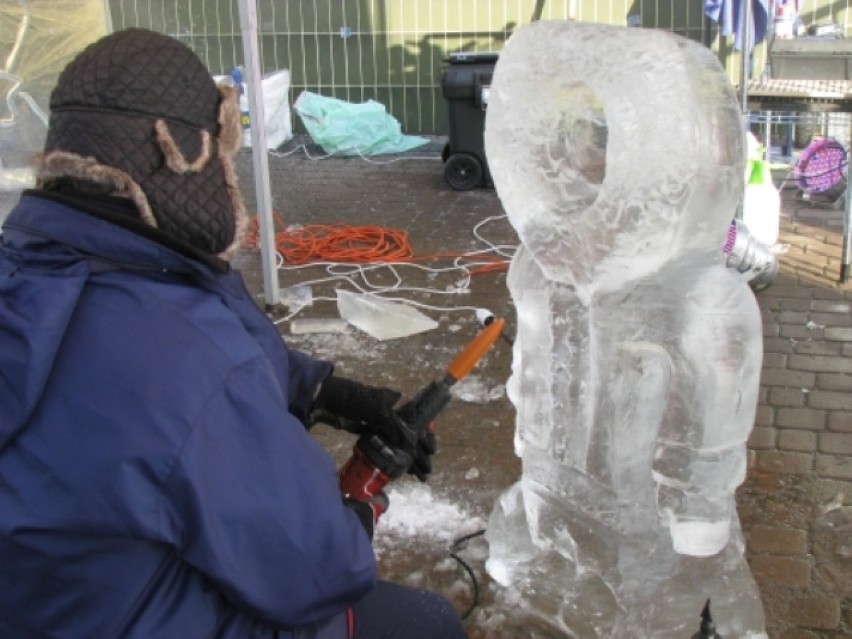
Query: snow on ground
416,512
473,389
428,541
333,346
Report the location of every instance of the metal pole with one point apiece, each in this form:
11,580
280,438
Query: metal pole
745,52
260,159
847,223
745,59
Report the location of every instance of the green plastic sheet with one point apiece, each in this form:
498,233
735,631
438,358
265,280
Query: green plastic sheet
345,128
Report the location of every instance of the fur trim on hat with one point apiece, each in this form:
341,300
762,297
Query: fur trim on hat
230,126
174,156
230,141
58,164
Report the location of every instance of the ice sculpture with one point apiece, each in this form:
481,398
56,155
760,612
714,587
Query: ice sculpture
618,155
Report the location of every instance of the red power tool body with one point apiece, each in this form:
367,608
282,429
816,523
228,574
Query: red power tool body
374,463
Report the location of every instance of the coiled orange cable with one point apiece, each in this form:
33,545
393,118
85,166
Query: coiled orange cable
350,244
334,243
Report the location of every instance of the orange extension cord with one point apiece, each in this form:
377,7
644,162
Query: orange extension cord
350,244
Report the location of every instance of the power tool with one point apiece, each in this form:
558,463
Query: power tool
374,462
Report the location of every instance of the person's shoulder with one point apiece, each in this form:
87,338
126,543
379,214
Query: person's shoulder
168,315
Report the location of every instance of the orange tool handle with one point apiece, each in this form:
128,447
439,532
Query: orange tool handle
473,352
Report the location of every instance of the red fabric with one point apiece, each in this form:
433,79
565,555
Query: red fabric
350,623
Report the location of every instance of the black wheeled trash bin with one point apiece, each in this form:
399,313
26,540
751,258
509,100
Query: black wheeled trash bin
465,81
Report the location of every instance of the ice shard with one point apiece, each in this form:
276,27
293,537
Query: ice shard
618,154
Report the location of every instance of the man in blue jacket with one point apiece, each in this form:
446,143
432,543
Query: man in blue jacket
156,474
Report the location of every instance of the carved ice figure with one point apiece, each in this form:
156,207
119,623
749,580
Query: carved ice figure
618,155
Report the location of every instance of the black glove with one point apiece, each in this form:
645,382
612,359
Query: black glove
349,405
409,451
368,410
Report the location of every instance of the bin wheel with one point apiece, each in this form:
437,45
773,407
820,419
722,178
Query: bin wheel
446,152
463,171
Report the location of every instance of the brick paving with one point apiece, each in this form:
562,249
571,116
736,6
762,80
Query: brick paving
796,502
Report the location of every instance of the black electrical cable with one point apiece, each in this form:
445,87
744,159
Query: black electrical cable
457,546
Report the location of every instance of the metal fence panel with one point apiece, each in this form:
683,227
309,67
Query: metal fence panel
391,50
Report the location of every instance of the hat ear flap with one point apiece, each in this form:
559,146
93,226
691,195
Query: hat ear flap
230,141
174,156
230,126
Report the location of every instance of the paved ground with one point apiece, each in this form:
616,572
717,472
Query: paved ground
795,503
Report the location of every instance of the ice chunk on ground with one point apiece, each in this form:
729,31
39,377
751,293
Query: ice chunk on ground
305,325
380,318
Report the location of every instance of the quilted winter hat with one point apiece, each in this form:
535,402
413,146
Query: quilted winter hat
138,113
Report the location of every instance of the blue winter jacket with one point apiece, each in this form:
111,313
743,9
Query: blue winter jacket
155,480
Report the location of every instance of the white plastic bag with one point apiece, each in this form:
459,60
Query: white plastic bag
276,106
762,204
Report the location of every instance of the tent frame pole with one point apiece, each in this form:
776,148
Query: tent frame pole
260,159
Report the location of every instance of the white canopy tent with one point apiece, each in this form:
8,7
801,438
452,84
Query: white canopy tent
42,38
